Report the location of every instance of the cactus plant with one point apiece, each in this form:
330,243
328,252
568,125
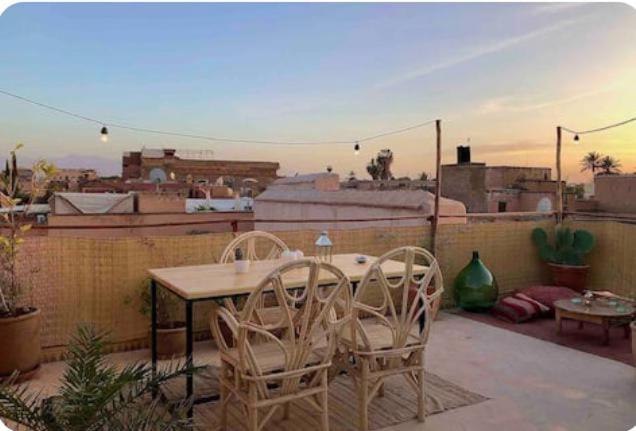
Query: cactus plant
569,247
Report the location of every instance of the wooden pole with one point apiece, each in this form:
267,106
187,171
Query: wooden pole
438,186
559,197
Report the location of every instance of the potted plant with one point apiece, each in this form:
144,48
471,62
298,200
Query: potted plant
171,332
19,320
566,257
633,326
97,396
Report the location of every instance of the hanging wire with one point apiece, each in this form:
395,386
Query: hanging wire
208,138
600,129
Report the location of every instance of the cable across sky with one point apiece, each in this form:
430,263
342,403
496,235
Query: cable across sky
598,129
209,138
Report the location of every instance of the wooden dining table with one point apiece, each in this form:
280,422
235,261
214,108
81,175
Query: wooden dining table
217,282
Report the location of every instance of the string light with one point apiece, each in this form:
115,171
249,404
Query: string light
577,133
104,130
103,135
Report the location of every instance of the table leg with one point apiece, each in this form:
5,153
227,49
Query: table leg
580,324
559,324
606,335
189,359
626,330
153,332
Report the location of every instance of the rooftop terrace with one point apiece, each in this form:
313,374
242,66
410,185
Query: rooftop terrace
530,384
527,383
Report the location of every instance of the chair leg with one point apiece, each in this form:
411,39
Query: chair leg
381,390
252,410
324,398
224,403
363,395
421,398
286,408
252,419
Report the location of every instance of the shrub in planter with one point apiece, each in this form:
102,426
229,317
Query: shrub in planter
97,396
19,320
171,332
566,256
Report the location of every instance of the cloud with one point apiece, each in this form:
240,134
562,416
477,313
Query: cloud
553,8
478,52
511,104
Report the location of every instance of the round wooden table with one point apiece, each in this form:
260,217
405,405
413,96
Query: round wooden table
599,313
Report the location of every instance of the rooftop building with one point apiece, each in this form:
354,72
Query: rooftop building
488,189
319,197
187,167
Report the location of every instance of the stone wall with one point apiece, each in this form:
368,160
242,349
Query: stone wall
467,184
615,193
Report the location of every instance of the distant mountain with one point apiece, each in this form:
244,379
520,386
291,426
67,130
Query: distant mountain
104,166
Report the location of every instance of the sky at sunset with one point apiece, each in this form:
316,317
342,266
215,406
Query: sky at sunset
503,75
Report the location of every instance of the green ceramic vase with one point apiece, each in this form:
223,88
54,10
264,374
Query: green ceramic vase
475,287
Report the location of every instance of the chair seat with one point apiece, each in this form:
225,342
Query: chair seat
271,358
271,315
380,336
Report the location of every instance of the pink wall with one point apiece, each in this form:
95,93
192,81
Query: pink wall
122,225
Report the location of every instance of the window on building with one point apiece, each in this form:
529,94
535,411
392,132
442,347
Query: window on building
502,206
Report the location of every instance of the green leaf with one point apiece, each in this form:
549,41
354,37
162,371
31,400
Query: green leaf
539,236
564,237
583,241
547,253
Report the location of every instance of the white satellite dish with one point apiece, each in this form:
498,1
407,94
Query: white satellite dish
158,175
544,205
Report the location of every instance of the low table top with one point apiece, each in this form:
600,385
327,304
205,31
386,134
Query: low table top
598,308
221,280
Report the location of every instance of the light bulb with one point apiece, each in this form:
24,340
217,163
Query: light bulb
103,136
576,139
356,149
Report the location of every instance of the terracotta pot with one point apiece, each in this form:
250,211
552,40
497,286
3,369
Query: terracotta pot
20,341
574,277
633,326
171,342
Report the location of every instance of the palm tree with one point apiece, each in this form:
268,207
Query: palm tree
373,169
610,165
591,161
95,396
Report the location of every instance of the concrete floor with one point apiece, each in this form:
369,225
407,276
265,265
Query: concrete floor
533,384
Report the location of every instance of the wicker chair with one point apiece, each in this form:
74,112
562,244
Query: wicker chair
387,339
255,245
271,368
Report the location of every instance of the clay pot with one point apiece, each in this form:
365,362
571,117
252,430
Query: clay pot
20,341
574,277
171,341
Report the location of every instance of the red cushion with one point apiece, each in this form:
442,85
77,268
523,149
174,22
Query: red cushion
547,295
518,308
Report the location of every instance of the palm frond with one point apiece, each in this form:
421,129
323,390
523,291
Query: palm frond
19,405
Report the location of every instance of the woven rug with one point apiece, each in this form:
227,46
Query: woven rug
397,406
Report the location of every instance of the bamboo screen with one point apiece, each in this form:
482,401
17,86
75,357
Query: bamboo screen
99,281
